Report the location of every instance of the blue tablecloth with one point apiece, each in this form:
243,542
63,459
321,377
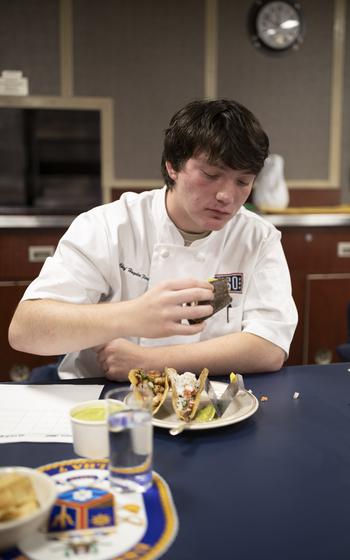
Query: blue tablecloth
274,486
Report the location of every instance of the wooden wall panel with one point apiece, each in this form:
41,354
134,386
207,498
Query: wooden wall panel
327,298
14,245
314,197
313,251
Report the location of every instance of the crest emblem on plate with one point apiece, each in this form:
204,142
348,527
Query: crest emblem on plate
89,520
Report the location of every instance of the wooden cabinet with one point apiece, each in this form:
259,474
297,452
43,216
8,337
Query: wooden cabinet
319,262
22,252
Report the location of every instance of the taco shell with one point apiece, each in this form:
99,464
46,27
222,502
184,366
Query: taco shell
154,380
186,392
221,299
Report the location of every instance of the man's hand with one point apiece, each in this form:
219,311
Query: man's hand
161,310
241,352
119,356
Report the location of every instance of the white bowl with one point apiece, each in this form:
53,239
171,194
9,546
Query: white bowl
11,532
90,437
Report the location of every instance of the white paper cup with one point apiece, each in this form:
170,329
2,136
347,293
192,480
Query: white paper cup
90,437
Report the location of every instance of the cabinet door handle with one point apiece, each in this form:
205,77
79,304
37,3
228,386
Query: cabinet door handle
343,249
39,253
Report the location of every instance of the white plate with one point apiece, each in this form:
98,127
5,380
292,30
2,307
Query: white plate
244,404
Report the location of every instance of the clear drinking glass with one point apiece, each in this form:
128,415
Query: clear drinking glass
130,432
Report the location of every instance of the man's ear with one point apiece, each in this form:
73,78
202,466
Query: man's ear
171,171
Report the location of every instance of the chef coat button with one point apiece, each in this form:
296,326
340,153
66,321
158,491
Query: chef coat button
201,257
164,253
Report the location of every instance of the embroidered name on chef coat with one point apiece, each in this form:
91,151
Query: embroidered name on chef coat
130,270
235,280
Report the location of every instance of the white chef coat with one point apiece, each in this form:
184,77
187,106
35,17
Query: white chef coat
117,251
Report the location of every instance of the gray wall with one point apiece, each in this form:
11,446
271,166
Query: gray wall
290,93
150,58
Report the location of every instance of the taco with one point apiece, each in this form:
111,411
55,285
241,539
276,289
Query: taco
221,299
186,392
155,380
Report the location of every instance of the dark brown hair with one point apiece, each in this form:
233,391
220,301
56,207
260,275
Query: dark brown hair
223,129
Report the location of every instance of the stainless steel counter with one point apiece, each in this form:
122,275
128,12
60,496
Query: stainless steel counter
308,220
35,221
279,220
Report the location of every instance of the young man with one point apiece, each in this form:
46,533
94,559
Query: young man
113,296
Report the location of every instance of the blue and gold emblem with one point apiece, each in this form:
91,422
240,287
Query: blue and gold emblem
89,520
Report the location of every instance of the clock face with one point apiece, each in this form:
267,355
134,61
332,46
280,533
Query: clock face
277,25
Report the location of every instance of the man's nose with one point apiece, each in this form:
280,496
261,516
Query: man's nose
225,195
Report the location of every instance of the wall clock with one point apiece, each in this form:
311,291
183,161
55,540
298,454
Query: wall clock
276,26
